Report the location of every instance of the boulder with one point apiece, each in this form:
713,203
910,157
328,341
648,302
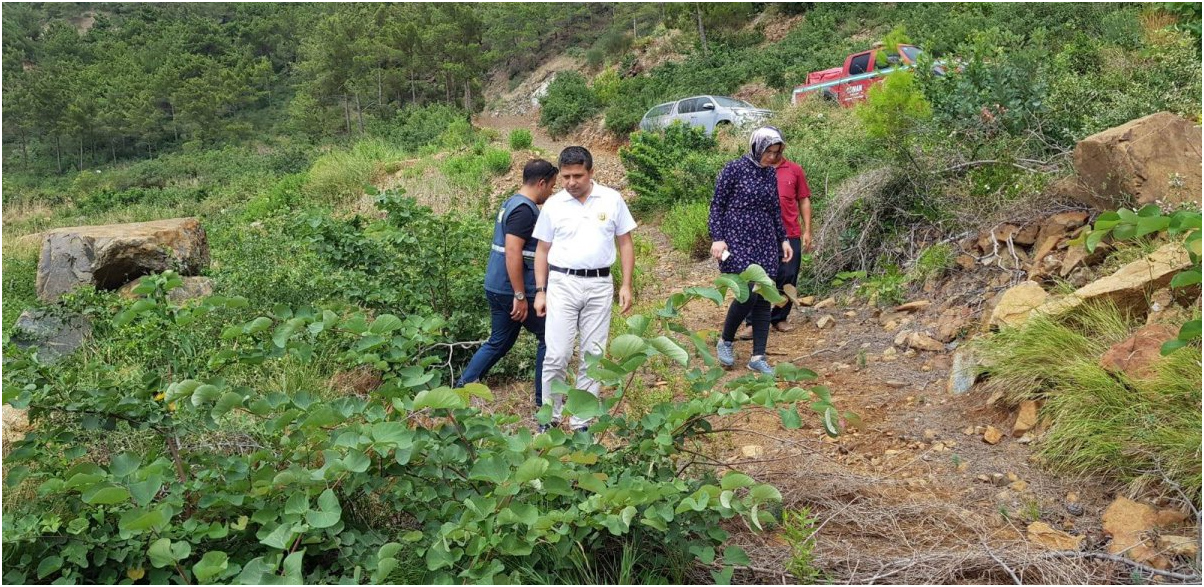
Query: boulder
193,287
1026,417
112,255
1053,539
966,262
1155,159
1139,355
825,321
825,303
1017,303
1129,287
55,335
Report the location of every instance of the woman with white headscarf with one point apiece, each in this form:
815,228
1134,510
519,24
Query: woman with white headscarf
746,228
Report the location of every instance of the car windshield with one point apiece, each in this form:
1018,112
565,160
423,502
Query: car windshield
732,102
912,53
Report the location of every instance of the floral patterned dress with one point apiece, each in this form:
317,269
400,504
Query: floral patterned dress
746,214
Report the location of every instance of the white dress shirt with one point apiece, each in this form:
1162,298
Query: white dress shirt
583,235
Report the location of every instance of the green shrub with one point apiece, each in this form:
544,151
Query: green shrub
343,173
568,103
679,165
414,127
283,196
686,226
893,108
497,161
520,138
606,86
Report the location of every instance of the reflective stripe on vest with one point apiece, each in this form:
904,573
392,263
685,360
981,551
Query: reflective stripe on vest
502,250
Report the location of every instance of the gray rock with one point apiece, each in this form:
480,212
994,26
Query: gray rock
55,336
963,373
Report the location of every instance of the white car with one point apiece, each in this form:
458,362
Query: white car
707,112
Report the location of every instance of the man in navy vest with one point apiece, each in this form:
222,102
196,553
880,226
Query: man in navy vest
510,276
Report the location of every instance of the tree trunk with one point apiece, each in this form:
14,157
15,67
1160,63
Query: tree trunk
81,152
702,34
380,92
24,151
359,112
413,88
468,95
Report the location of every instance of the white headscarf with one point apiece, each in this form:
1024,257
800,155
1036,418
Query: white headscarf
762,139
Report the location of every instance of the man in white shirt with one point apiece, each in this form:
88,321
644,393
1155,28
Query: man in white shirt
578,231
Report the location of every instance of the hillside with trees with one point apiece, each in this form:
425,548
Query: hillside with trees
273,404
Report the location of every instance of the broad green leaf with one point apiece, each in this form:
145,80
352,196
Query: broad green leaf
285,331
384,566
1126,215
638,324
670,349
765,493
143,520
105,494
791,420
328,513
478,390
388,550
163,552
734,555
737,286
1185,278
492,468
532,468
1172,345
583,404
708,293
1154,224
205,394
280,538
756,274
1094,238
1149,210
49,565
392,433
356,462
1124,231
384,324
124,464
1190,330
210,566
724,575
258,325
180,389
298,503
227,402
626,345
771,294
292,566
438,398
735,480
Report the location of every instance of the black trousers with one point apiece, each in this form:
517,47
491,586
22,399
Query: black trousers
787,273
756,309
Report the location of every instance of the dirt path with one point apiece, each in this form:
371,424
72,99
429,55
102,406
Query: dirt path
917,495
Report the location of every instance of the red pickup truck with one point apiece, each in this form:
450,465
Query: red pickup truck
850,83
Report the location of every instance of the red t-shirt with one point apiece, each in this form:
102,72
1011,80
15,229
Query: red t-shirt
792,189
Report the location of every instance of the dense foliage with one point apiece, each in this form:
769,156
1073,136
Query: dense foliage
215,480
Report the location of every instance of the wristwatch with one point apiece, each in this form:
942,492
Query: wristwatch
541,289
520,296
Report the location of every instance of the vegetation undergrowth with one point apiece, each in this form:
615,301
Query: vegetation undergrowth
221,481
1137,430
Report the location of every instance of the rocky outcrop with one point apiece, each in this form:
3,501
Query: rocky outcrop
1131,285
1151,160
112,255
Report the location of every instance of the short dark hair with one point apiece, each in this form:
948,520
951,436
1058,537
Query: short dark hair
577,156
538,169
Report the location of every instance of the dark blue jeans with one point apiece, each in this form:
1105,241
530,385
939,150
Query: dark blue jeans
502,336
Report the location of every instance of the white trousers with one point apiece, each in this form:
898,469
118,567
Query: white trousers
577,306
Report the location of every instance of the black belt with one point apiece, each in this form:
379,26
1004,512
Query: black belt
603,272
